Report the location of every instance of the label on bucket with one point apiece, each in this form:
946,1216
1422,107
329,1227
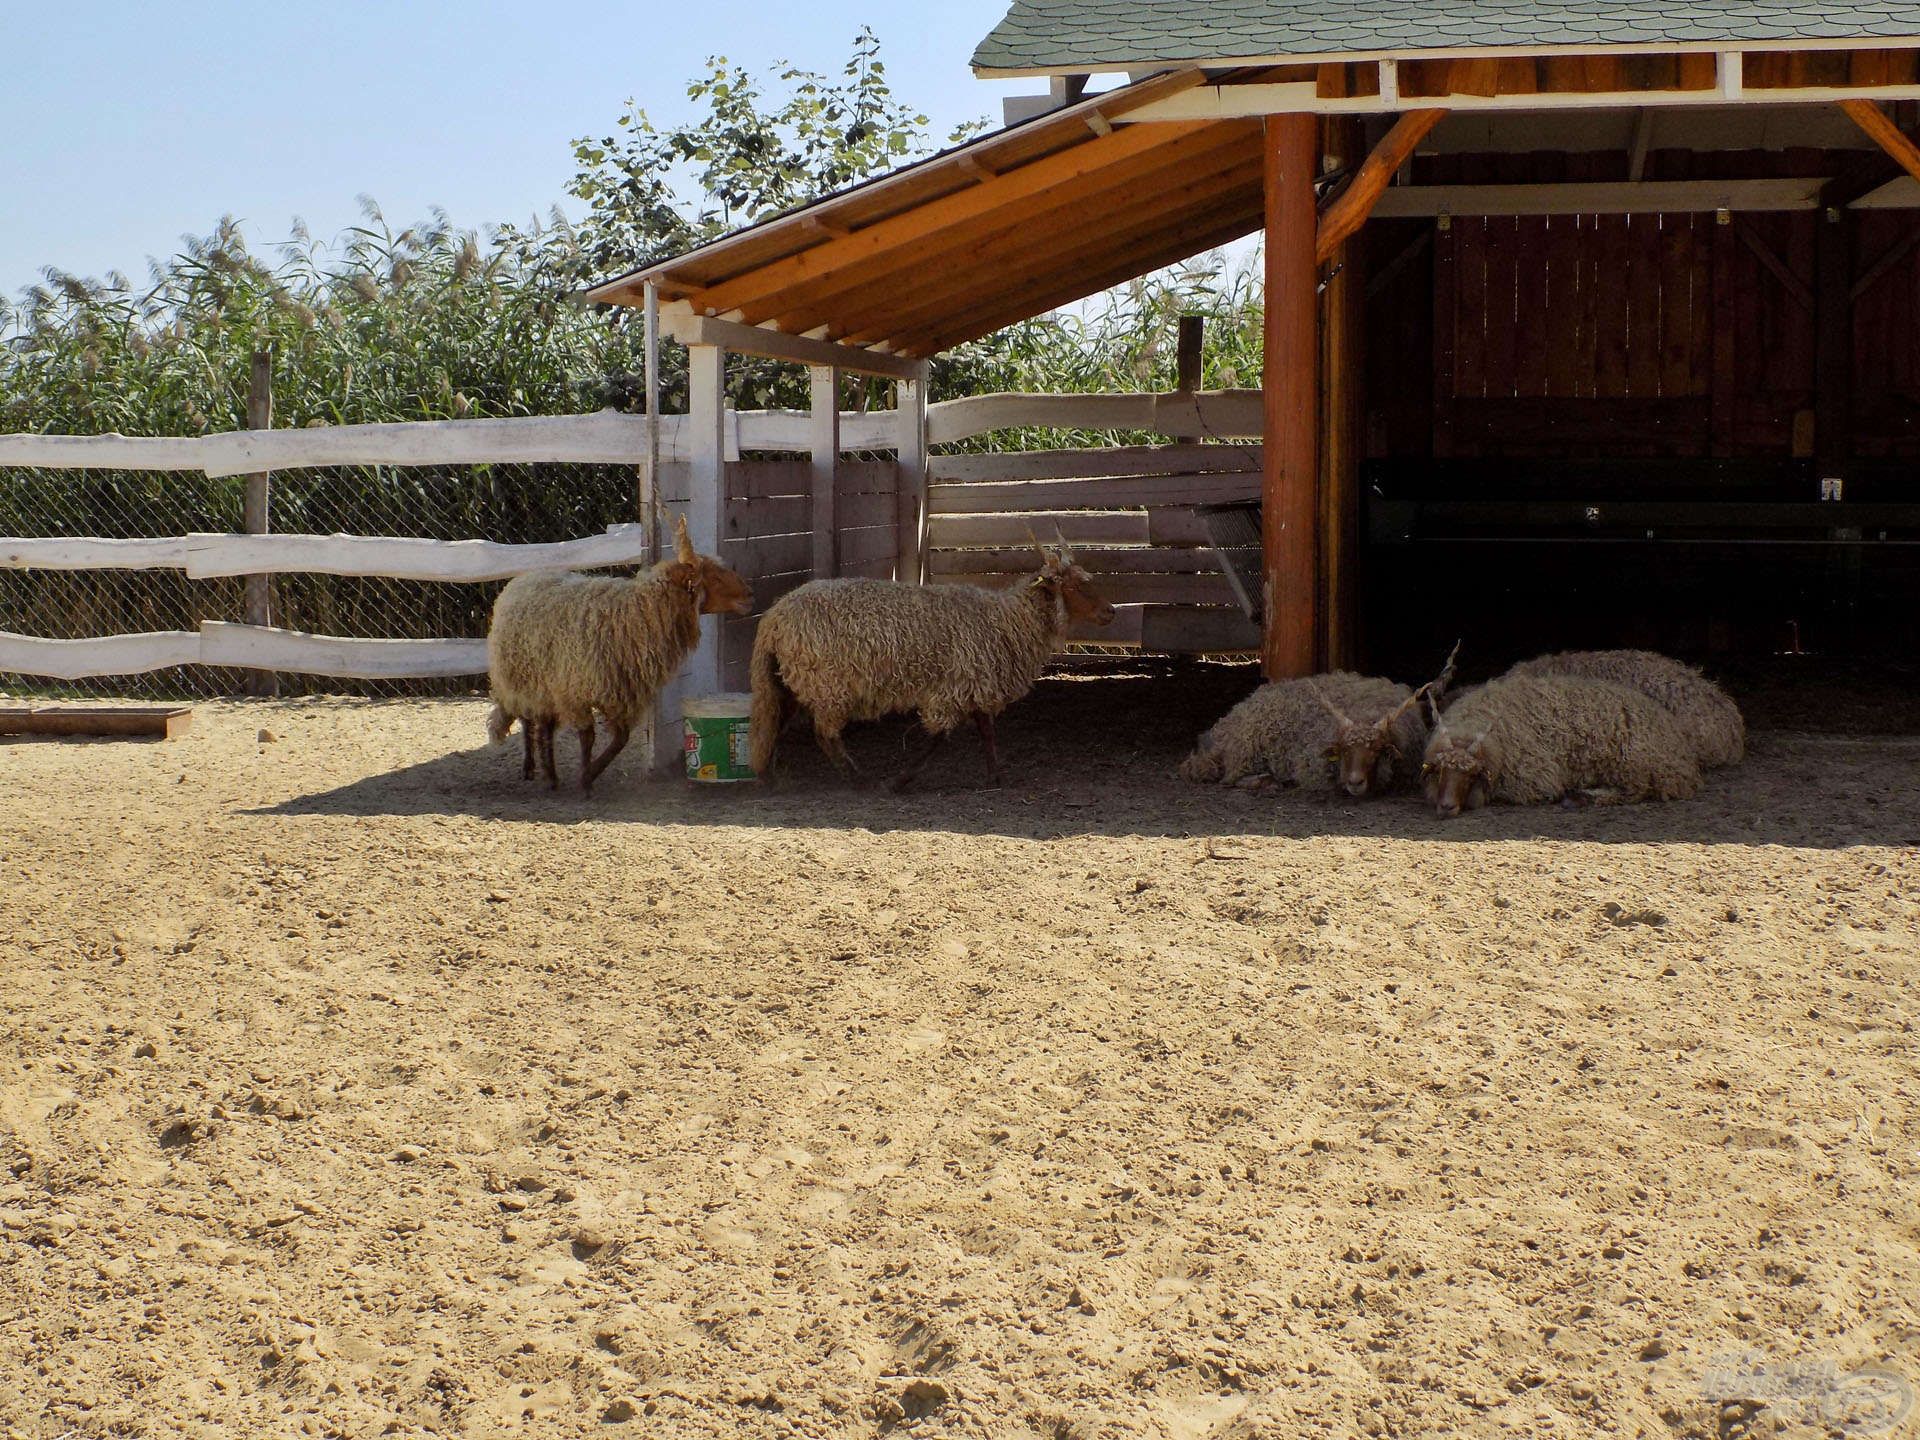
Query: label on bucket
716,739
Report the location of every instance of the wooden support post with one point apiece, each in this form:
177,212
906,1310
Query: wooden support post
825,432
259,588
1342,371
1289,491
1193,334
702,506
911,446
1833,341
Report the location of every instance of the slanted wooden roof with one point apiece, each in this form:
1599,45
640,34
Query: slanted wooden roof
1061,36
1008,226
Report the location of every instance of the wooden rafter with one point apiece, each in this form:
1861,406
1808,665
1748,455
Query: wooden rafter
1030,183
1030,222
1348,213
1884,133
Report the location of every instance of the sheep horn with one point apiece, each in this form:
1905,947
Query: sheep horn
1044,556
682,542
1328,705
1438,685
1060,535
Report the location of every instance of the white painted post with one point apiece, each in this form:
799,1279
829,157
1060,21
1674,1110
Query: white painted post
824,432
910,442
703,507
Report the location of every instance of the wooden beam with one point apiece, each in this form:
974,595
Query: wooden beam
701,330
1834,231
1642,142
1780,270
1348,213
1401,202
1884,133
1290,486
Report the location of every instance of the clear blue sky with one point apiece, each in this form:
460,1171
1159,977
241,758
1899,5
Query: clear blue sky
125,124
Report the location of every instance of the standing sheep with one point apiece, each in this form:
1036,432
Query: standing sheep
1303,732
563,646
848,650
1702,709
1528,739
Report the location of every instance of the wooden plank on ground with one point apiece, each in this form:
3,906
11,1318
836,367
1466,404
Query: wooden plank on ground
167,722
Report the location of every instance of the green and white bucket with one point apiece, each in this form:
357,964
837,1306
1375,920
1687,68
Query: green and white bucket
716,738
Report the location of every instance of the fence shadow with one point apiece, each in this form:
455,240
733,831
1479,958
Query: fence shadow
1093,754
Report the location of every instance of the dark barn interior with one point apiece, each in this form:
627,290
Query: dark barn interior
1694,431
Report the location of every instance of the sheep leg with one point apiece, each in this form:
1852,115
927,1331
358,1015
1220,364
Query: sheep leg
616,742
985,723
585,732
546,754
835,749
935,739
527,726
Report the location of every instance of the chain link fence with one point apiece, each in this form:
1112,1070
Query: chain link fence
510,503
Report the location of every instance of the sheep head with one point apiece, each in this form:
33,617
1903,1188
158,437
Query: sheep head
1460,772
1360,753
716,590
1070,586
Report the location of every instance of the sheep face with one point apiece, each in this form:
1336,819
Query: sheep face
1363,757
1458,775
1074,589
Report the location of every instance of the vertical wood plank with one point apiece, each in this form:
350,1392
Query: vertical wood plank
1644,240
1445,306
1470,308
1535,331
1610,315
1290,510
1503,268
1726,251
824,436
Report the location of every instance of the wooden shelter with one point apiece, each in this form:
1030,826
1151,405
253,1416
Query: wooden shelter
1669,252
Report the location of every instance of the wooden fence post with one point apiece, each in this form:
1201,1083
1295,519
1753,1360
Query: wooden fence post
259,588
825,434
911,447
703,508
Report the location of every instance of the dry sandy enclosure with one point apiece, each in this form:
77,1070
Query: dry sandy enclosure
350,1088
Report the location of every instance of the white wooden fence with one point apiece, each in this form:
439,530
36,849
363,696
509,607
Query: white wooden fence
1128,511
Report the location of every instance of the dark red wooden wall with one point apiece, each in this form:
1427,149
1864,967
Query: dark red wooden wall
1632,335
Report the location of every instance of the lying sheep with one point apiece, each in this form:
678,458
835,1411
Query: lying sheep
1303,732
1704,711
849,650
1528,739
563,646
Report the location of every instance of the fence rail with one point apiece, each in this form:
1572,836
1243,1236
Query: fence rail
1129,508
242,647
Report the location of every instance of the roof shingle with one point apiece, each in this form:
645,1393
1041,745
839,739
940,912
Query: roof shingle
1061,35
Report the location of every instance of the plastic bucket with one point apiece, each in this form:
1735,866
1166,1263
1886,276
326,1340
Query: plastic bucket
715,738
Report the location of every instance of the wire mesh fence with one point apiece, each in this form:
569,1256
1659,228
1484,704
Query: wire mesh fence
510,503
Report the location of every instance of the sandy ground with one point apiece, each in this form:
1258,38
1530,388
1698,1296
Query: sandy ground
347,1087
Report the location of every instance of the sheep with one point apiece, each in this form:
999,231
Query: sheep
849,650
1701,707
563,646
1302,733
1528,739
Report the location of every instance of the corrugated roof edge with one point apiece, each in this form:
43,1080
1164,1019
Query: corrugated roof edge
600,294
